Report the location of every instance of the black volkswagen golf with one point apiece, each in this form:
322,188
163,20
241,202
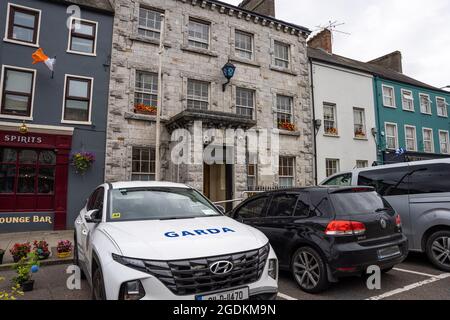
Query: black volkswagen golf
323,233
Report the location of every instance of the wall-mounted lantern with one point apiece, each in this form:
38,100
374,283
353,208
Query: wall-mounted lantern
228,71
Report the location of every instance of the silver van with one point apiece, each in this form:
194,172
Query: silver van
420,193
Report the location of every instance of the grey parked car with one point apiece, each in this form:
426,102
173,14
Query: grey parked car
420,193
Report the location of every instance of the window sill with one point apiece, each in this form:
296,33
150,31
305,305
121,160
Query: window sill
155,42
331,135
244,61
427,113
361,139
27,44
82,53
7,116
283,70
290,133
82,123
199,51
141,117
442,116
391,107
408,110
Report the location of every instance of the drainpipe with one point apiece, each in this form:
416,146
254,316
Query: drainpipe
314,121
380,128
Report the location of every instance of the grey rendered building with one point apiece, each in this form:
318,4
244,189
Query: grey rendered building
44,119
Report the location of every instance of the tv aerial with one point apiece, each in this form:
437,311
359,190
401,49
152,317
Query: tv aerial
331,26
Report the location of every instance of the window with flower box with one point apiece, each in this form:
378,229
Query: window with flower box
146,93
329,119
143,164
359,123
284,113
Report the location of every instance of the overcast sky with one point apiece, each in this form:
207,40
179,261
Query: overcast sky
420,29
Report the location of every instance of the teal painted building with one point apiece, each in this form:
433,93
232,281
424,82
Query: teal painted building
412,116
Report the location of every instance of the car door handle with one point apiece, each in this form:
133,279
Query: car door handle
84,232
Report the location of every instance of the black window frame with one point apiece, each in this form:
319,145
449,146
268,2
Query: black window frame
29,95
37,15
73,33
253,199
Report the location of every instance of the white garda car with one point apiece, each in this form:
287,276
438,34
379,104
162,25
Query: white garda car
166,241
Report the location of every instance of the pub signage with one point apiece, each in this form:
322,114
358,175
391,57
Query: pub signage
22,139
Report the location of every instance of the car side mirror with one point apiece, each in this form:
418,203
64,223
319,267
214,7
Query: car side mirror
221,208
91,216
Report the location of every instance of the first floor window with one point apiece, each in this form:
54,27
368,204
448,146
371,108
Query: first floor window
425,103
23,24
388,96
245,102
281,54
145,90
441,107
362,163
444,142
284,110
391,136
329,119
410,136
359,123
428,143
83,36
77,103
197,95
17,92
149,23
143,164
286,171
198,34
331,166
244,45
407,100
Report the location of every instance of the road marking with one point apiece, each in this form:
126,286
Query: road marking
410,287
415,272
285,296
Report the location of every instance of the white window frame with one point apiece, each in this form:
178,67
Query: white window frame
6,116
406,137
386,136
8,11
366,162
94,54
403,91
189,38
149,174
252,42
338,166
246,107
208,101
160,31
384,86
421,95
336,126
283,112
363,111
293,170
89,122
440,142
445,115
137,91
431,141
288,45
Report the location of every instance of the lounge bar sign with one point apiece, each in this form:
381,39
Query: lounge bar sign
30,221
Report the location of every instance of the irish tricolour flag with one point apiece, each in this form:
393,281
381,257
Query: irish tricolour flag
39,56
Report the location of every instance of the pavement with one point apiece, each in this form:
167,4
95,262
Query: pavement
415,279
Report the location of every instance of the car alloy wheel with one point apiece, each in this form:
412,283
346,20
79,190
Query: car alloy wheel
98,291
309,270
441,250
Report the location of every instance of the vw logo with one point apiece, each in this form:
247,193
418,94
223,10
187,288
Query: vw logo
383,223
221,267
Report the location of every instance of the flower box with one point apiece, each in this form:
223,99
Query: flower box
332,131
145,109
286,126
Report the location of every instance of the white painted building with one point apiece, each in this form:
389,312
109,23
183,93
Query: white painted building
344,111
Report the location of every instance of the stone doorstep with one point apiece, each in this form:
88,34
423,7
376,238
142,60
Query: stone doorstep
7,241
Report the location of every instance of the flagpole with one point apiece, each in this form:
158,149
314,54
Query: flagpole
158,110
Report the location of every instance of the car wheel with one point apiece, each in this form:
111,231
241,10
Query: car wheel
309,270
98,287
76,259
438,249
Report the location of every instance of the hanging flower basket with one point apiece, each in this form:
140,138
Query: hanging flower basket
145,109
82,161
286,126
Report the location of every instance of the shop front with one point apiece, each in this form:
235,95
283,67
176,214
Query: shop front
34,167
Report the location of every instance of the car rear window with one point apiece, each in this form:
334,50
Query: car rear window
348,203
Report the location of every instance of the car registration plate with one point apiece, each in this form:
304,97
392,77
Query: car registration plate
388,252
237,294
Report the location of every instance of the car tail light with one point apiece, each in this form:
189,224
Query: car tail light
398,221
345,228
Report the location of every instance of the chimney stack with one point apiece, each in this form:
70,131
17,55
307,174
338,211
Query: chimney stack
322,40
264,7
391,61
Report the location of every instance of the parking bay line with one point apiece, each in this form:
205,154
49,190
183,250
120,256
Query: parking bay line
411,286
285,296
415,272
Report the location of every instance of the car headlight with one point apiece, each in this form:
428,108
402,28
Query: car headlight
130,262
273,268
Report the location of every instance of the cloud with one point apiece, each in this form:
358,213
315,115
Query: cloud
419,29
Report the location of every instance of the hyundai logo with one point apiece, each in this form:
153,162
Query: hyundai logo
383,223
221,267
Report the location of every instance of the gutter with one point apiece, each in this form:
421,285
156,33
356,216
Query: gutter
314,120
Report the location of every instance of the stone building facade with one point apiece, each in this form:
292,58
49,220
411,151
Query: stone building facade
271,84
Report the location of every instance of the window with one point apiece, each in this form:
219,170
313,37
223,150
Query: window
198,34
443,141
434,178
391,136
149,23
425,103
281,54
252,170
410,138
302,208
359,119
143,164
77,99
23,25
388,96
252,209
284,110
387,182
362,164
244,102
331,166
282,205
82,37
27,171
441,107
197,95
146,89
428,141
17,92
407,100
286,172
341,180
329,119
95,202
243,45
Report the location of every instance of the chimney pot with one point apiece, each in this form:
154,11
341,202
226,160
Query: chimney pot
322,40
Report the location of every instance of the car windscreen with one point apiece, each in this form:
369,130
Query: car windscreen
348,203
158,203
